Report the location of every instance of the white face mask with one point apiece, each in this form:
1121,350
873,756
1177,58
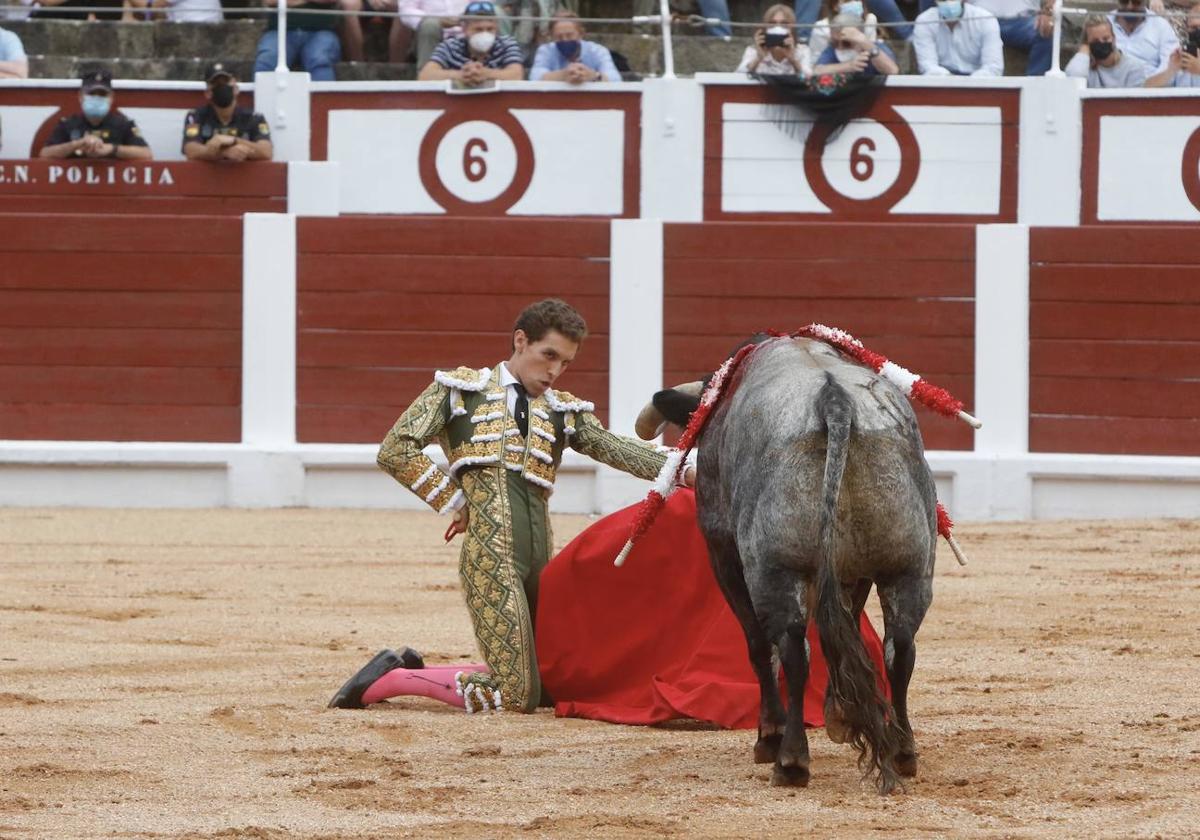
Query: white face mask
482,42
845,55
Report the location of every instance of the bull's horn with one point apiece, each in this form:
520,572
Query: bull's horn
650,422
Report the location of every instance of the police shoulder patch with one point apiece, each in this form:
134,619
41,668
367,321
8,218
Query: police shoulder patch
192,131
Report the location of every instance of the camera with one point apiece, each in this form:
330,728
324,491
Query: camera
776,36
1192,45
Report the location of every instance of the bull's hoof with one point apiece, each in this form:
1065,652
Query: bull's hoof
836,729
766,749
794,776
906,764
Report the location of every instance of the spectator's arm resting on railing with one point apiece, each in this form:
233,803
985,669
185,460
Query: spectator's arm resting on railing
924,42
17,69
13,62
1167,75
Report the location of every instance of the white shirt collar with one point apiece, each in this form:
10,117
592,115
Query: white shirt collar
506,376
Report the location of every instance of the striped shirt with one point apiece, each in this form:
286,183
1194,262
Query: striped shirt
453,53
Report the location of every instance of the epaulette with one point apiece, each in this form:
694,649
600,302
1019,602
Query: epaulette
566,401
464,378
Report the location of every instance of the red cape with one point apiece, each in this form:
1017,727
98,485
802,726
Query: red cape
654,640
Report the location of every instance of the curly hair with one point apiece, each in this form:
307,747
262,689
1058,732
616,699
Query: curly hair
539,318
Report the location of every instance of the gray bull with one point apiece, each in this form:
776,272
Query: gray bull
812,485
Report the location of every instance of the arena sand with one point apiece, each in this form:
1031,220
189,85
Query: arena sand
164,674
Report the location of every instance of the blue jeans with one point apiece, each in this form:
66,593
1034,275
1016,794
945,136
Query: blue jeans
317,49
807,13
717,9
888,12
1022,34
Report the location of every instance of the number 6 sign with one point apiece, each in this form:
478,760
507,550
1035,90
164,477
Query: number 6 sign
867,168
476,167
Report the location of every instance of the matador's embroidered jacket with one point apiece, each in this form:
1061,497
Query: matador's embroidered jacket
507,480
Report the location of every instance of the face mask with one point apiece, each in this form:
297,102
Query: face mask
950,9
845,55
222,96
569,50
1101,50
96,107
482,42
854,7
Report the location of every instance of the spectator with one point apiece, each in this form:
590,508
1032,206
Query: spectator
1143,35
99,131
479,55
1185,62
80,10
718,9
570,58
818,38
184,11
430,21
311,43
851,51
958,39
221,130
352,30
13,62
775,51
1100,62
1025,25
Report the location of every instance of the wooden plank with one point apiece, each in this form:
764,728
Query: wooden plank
1114,283
815,278
435,312
74,421
424,351
156,234
91,270
1115,321
120,385
1108,244
182,310
1098,397
1151,360
142,205
809,240
930,357
1115,435
451,274
372,386
698,316
939,432
353,424
132,347
440,236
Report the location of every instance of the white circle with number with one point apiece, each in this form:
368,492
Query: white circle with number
863,161
477,161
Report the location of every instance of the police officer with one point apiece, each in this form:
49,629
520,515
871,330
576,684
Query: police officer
100,131
221,130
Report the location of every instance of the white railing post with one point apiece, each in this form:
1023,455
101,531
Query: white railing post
668,46
281,65
1056,41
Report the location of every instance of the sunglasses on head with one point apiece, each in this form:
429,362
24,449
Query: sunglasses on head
479,8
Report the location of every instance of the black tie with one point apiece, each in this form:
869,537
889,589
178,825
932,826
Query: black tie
522,409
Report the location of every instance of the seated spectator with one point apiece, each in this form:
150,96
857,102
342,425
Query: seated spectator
352,29
1025,25
1143,35
184,11
311,43
528,32
775,51
718,9
13,62
818,38
479,55
570,58
429,21
99,131
1100,62
958,39
80,10
221,130
1185,62
851,51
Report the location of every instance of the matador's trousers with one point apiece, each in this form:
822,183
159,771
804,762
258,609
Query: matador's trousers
508,543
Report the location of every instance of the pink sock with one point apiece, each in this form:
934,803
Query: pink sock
437,683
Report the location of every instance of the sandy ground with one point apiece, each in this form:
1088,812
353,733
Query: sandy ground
165,674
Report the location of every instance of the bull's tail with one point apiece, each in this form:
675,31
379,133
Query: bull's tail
853,692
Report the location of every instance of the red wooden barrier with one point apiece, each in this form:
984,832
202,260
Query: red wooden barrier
142,187
1114,341
120,328
906,291
384,301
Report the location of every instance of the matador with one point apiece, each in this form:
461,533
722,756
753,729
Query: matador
503,431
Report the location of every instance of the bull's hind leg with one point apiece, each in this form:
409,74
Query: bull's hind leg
904,604
791,767
727,568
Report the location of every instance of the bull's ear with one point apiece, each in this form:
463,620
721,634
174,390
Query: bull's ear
676,406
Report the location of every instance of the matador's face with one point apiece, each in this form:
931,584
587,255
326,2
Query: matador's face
539,363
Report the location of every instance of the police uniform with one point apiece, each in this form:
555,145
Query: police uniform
115,128
201,124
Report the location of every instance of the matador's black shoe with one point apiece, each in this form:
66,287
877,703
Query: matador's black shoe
350,695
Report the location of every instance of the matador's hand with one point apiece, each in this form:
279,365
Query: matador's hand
459,525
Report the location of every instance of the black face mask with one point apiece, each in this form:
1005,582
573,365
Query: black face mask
222,96
1101,50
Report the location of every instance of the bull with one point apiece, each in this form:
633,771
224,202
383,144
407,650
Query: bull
812,486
